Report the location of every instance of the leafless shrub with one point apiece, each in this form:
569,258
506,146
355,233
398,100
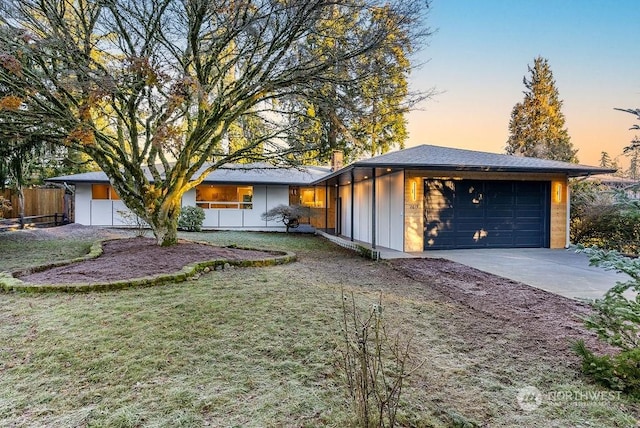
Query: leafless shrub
375,364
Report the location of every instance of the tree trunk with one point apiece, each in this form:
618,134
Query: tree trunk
165,223
21,205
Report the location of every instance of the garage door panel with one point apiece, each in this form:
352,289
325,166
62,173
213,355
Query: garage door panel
532,213
472,214
500,213
499,225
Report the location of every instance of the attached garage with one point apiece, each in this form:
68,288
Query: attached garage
445,198
486,214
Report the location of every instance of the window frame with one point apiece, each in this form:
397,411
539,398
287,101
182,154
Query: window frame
243,199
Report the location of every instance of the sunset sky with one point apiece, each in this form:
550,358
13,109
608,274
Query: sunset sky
479,54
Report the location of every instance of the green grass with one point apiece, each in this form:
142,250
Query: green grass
257,347
21,254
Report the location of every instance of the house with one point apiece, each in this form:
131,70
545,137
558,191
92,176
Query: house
420,198
430,197
234,196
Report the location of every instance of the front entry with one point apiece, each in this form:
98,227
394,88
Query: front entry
486,214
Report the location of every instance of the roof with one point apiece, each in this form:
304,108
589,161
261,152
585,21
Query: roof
450,159
253,173
419,157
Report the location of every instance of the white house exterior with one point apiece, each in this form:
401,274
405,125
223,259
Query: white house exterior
421,198
234,197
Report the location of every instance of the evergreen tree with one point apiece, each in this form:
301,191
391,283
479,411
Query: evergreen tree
362,110
537,125
632,151
605,159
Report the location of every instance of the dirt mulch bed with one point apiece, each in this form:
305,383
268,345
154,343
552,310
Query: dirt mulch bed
131,258
551,321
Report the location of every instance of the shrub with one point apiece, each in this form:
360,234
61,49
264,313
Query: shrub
131,219
5,205
620,372
604,217
191,219
375,365
616,320
289,215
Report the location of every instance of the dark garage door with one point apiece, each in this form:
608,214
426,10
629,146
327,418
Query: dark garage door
486,214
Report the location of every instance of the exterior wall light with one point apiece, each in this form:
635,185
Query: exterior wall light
557,192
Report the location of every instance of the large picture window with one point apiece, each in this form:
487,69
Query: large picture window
103,191
313,197
210,196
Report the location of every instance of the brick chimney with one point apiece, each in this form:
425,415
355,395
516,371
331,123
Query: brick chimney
337,160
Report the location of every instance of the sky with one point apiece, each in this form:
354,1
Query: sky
479,53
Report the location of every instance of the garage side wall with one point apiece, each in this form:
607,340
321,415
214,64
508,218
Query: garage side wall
559,212
414,211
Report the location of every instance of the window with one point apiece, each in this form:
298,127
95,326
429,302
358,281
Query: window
224,197
313,197
103,191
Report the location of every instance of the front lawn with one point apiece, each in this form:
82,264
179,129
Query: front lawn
257,347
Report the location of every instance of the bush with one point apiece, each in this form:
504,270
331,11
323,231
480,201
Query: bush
5,205
374,363
604,217
617,322
620,372
133,220
289,215
191,219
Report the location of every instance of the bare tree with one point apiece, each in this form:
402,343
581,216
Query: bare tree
149,88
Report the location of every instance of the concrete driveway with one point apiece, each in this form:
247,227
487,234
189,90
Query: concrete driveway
559,271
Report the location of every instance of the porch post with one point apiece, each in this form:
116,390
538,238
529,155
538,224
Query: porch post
373,209
326,206
352,203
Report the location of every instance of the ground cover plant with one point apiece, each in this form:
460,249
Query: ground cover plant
259,346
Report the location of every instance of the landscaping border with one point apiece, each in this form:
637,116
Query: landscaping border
10,283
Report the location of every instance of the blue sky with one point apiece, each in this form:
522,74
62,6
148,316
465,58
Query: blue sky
479,54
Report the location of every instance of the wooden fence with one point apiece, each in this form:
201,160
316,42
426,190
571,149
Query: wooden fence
37,202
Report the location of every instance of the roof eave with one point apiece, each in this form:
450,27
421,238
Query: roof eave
571,172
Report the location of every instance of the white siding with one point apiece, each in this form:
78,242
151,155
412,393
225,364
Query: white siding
260,199
389,215
362,211
345,215
276,195
264,198
396,219
389,211
101,212
119,207
83,204
383,212
189,198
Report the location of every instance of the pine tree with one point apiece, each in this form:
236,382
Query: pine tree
605,159
632,151
537,125
361,116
